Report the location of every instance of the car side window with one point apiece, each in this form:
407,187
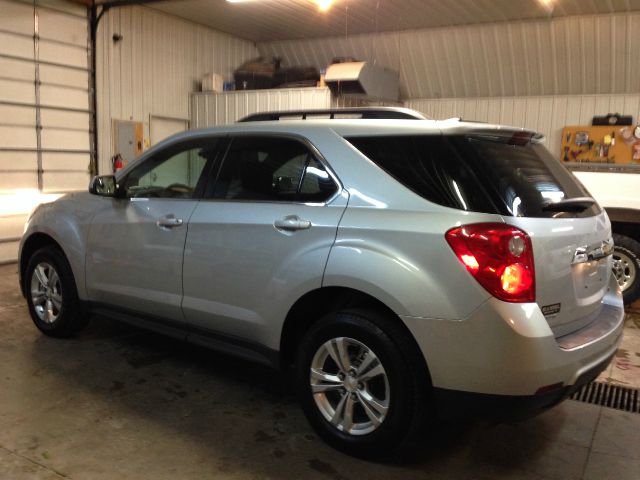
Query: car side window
172,173
272,169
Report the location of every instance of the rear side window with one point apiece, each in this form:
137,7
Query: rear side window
272,169
499,173
429,166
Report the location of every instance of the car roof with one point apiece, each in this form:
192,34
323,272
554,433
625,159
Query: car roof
343,127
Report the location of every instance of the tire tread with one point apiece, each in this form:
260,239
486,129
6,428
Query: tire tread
631,248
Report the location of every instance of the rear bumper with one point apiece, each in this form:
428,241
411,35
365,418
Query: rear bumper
453,404
506,353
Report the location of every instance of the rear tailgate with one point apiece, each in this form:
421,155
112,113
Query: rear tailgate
571,243
572,267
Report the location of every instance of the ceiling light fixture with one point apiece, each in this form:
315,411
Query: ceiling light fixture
323,5
548,5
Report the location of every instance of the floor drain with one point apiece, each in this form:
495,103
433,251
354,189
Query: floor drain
607,395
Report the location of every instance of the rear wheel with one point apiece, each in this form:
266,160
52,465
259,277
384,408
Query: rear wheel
360,382
626,266
51,294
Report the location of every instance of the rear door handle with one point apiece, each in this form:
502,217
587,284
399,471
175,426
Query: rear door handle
169,222
292,223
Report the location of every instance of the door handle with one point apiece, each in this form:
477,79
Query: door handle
292,223
169,222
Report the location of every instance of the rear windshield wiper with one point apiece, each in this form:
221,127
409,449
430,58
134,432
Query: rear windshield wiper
578,204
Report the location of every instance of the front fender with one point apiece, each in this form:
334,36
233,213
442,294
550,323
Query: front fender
66,221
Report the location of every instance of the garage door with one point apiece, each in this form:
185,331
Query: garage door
45,138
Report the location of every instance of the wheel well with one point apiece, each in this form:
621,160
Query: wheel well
312,306
33,243
631,230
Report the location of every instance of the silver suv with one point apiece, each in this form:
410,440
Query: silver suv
408,269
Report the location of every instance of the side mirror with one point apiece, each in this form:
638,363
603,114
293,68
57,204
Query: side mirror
105,186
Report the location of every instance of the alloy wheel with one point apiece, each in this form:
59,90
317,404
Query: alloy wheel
624,269
46,292
350,386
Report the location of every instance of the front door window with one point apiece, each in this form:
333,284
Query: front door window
173,173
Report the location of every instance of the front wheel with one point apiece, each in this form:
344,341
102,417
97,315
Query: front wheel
51,294
360,382
626,266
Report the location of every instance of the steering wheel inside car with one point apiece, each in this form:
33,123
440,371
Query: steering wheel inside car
178,189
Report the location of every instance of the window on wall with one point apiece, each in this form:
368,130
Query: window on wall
272,169
172,173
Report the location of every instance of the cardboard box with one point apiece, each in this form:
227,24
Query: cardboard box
212,82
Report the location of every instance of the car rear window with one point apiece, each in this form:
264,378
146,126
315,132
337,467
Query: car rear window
508,173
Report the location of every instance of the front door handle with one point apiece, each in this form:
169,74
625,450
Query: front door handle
291,223
169,222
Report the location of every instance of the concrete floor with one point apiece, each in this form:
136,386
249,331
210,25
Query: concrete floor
119,403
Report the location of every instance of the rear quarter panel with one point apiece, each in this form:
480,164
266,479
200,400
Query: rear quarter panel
402,259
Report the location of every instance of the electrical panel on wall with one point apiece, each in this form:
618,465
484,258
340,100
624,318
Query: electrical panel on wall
128,142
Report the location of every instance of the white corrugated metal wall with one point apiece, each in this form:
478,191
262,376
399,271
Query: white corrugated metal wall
155,67
545,114
211,109
559,56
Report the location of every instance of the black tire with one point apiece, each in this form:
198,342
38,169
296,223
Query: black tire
405,368
627,249
70,317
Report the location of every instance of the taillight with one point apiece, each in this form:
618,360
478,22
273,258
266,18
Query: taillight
499,257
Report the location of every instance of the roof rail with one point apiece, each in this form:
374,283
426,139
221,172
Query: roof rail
364,113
